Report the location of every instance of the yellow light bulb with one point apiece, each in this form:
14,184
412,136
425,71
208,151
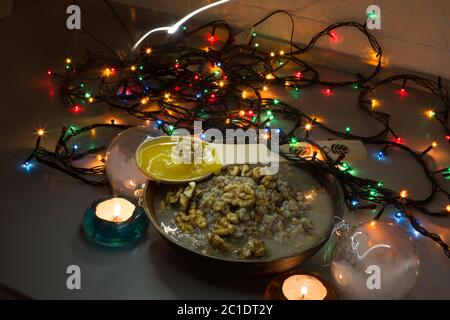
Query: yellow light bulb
434,144
41,132
447,208
430,114
265,88
281,52
99,157
308,126
244,94
68,61
144,100
266,136
270,76
133,68
272,54
242,113
403,194
374,103
91,100
221,84
148,50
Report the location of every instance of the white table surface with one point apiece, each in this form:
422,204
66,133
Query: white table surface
41,211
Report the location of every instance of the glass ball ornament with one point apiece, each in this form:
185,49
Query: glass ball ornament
375,260
121,169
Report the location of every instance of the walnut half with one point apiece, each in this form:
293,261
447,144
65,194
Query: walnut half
217,242
238,194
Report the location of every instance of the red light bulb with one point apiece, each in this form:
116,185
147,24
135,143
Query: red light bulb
398,140
327,91
334,36
402,92
76,108
298,74
212,38
49,72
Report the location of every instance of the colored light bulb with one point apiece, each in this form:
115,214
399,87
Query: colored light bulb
327,91
430,114
212,38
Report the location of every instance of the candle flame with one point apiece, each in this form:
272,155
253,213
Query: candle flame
117,209
304,291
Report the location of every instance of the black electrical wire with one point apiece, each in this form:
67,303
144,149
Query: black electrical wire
174,86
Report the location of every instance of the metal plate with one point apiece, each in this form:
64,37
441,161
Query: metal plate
247,267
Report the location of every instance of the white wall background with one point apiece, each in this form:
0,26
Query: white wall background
415,34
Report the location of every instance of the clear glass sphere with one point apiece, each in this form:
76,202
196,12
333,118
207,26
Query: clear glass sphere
375,260
121,169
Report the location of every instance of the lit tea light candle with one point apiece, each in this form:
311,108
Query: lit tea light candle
303,287
115,222
115,210
296,285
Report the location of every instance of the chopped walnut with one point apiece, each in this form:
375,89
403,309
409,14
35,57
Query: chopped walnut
197,217
270,182
232,218
218,206
189,190
256,174
223,227
246,172
183,222
217,242
173,197
184,202
235,170
254,249
194,218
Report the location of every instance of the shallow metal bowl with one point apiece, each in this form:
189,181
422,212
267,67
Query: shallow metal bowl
251,267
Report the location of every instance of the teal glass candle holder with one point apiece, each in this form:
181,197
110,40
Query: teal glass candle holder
115,233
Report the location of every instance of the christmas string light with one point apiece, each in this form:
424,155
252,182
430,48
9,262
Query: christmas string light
190,89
